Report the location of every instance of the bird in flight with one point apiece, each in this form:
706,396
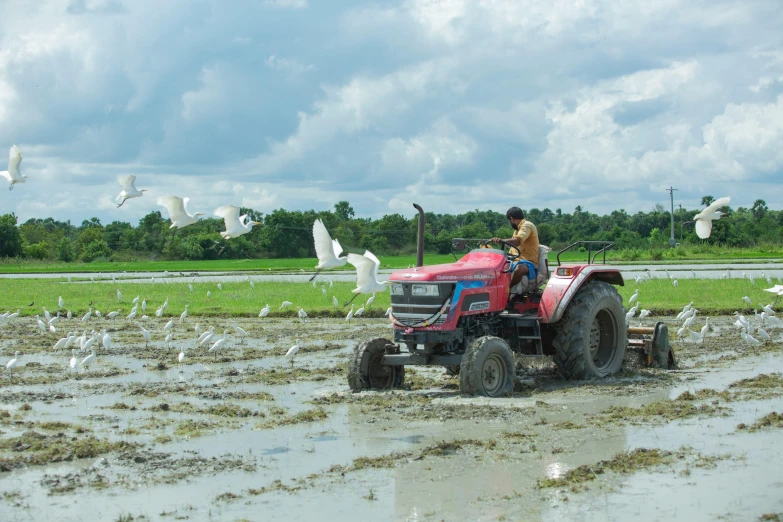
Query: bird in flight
129,190
326,248
13,174
705,218
178,211
236,225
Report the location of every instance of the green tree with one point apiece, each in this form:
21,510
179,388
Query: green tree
37,251
65,250
344,210
10,237
94,250
706,201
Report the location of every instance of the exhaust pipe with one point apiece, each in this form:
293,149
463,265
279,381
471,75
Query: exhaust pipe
420,238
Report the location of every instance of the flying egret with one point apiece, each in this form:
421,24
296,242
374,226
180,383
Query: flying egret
178,211
366,274
236,225
129,190
633,297
327,249
264,311
60,302
704,219
184,314
291,353
13,174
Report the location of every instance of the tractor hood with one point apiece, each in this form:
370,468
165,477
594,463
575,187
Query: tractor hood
481,264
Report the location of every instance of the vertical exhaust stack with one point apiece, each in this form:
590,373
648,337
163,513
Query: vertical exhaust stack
420,237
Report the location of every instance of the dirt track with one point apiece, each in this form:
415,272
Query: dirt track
244,433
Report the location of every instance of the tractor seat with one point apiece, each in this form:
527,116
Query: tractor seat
526,285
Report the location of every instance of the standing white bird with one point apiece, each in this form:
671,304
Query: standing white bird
159,311
168,339
350,314
285,304
181,356
631,312
252,285
13,362
60,302
129,190
105,339
359,312
633,297
190,287
264,311
370,300
335,301
302,315
69,314
169,325
88,360
135,300
242,333
747,300
704,219
206,336
209,294
145,333
291,353
178,211
119,295
327,249
220,286
366,274
389,311
87,315
184,314
675,283
144,305
706,328
41,324
72,363
219,343
236,225
112,315
61,343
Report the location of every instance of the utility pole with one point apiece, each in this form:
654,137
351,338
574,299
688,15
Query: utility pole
672,241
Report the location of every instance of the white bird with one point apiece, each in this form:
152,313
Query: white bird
291,353
190,287
165,304
14,173
60,302
206,336
285,304
693,335
219,343
41,324
350,314
631,312
88,360
302,315
106,339
706,328
220,286
335,301
61,343
633,297
389,311
112,315
98,314
181,356
47,314
72,363
135,300
777,289
252,285
327,249
703,220
763,334
129,190
359,312
366,274
209,294
52,328
13,362
242,333
132,315
750,339
370,300
145,333
69,314
236,225
675,283
644,313
144,305
747,300
159,311
184,314
168,339
264,311
169,325
119,295
178,211
15,315
87,315
768,309
689,321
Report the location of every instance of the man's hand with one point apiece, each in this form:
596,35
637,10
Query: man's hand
496,240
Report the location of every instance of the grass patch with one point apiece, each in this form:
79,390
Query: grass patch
624,463
37,449
314,415
772,420
660,411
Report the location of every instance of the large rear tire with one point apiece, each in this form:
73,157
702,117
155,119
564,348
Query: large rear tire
366,371
487,368
591,337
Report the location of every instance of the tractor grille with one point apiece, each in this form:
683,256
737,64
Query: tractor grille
409,309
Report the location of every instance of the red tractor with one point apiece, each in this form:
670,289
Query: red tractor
461,315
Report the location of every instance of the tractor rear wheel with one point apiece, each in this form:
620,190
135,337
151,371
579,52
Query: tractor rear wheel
591,337
487,368
366,371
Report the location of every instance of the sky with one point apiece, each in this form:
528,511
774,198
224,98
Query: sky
455,105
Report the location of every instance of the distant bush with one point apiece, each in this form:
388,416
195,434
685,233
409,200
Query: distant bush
94,250
37,251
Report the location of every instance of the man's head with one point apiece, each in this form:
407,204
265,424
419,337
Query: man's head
514,215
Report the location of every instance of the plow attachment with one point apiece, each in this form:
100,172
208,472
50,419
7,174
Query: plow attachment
656,349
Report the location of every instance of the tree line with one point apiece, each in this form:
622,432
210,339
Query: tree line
288,234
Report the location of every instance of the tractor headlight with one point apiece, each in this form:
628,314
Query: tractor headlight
397,290
425,290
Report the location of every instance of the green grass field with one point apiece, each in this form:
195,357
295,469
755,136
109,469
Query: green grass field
239,299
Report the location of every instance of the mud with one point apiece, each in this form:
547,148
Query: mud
247,434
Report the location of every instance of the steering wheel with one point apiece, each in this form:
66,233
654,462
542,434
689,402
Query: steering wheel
511,251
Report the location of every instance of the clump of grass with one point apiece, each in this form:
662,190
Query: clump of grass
120,406
624,463
661,410
35,449
194,428
566,425
227,497
55,425
771,420
314,415
763,381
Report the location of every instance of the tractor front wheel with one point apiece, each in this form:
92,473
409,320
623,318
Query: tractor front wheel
487,368
591,337
366,371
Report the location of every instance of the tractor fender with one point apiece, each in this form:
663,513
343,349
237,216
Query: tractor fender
563,284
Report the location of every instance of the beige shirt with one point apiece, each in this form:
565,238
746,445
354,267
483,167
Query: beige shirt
528,241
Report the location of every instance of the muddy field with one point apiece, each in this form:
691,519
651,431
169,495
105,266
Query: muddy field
245,435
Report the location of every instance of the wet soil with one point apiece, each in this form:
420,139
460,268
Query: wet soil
247,434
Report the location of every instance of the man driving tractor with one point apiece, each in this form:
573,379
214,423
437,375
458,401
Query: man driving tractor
525,239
